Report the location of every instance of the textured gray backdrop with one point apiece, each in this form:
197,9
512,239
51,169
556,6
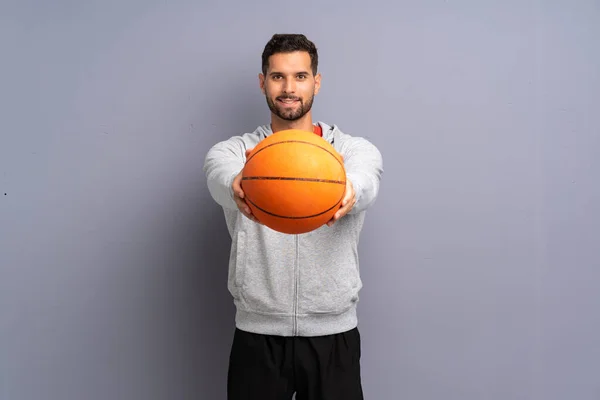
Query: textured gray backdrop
480,259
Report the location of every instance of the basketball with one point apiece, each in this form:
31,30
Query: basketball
294,181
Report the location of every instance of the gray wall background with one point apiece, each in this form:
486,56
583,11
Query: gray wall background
480,258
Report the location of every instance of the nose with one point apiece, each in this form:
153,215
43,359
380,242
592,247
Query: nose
289,86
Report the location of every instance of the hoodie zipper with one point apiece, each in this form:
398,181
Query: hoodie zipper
296,278
331,140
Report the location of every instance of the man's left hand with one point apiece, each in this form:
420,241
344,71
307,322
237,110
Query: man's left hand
347,203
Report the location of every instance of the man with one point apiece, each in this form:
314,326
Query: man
295,295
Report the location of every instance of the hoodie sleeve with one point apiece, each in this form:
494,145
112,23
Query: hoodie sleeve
364,168
221,165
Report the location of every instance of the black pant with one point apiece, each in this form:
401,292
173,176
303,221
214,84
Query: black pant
263,367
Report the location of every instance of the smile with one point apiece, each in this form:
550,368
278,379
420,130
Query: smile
287,101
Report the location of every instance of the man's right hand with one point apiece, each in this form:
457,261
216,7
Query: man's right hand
239,196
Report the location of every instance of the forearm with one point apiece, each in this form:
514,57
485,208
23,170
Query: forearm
222,163
364,168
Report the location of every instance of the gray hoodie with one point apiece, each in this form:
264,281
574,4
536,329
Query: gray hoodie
295,285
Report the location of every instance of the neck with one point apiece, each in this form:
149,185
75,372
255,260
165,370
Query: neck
305,124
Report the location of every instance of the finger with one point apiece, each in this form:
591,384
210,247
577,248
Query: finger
344,209
339,214
331,221
252,217
238,192
243,206
335,217
237,188
246,210
348,197
347,194
351,201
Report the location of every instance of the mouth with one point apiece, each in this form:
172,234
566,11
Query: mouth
287,101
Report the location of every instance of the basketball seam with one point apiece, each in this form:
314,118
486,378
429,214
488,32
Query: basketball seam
294,178
295,141
291,217
284,178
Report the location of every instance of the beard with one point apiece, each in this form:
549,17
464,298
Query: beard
288,113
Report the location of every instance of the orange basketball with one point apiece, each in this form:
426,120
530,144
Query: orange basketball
294,181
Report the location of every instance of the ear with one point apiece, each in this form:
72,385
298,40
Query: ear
261,82
317,83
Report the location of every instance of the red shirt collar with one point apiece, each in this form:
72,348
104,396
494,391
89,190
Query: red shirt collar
318,130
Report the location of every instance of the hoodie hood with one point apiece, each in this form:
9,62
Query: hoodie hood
329,131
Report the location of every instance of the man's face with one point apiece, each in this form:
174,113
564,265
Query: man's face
289,85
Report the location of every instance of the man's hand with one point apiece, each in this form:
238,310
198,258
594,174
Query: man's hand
348,202
239,196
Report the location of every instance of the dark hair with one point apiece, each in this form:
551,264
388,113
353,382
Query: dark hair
288,43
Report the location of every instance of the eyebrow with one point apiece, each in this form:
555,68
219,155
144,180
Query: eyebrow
297,73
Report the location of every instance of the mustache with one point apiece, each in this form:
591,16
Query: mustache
288,98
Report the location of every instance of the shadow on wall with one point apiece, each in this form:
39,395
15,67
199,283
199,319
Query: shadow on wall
198,244
177,302
192,314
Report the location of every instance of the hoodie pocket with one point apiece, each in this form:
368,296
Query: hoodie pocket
328,288
264,272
